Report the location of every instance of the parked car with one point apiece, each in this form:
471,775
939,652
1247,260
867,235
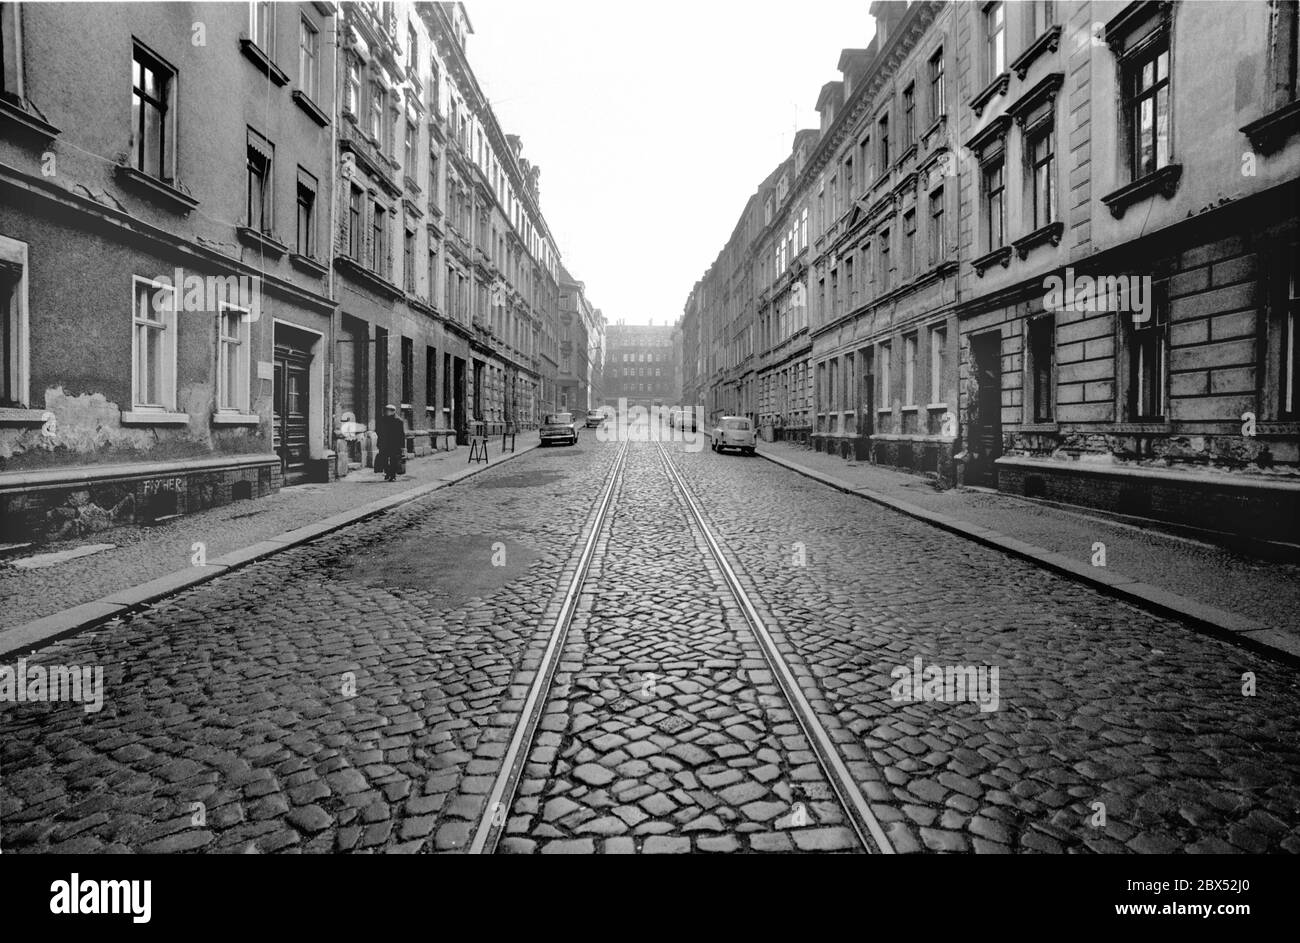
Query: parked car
558,427
733,432
595,418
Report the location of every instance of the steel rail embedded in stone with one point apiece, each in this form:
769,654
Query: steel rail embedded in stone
502,796
833,766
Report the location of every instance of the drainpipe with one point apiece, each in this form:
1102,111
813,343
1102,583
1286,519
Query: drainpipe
329,245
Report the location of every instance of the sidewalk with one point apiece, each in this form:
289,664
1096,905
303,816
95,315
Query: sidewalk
146,562
1226,593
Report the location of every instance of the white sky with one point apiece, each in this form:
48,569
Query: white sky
654,122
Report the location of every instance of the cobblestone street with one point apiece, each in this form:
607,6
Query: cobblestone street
361,692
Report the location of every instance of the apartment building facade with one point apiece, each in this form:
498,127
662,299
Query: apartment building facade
299,213
160,245
639,365
1052,251
582,346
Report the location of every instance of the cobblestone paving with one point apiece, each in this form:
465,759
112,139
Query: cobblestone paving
665,731
1099,702
233,694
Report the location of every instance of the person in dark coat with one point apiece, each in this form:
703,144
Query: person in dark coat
392,443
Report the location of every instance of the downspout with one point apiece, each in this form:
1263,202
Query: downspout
329,244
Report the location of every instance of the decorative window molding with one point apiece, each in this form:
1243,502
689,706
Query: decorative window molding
1052,233
1048,41
1038,102
999,256
1268,133
1163,181
985,95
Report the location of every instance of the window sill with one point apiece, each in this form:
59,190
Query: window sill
997,87
1163,181
356,271
909,409
1154,427
1040,427
1052,233
309,265
263,241
1000,256
313,110
146,417
1049,41
158,190
257,55
18,112
1268,133
236,419
884,410
19,416
936,406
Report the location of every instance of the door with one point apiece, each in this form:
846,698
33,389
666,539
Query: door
458,403
292,409
986,409
866,402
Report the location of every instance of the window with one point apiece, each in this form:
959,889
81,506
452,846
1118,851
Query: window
938,351
261,25
849,288
1148,351
377,248
1290,340
995,42
883,136
408,264
936,85
909,370
1042,174
432,291
994,204
430,376
261,154
306,213
153,346
886,380
232,359
1042,356
381,369
1041,16
13,323
408,150
151,89
909,243
803,229
352,92
884,260
354,225
408,371
377,96
909,114
308,57
938,240
433,176
1146,85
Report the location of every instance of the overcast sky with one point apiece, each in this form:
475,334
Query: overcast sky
653,123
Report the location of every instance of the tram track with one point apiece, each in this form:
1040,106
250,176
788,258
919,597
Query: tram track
781,695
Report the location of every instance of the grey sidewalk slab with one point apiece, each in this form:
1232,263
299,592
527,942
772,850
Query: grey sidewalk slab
1187,565
50,627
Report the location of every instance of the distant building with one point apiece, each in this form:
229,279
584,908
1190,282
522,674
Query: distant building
639,365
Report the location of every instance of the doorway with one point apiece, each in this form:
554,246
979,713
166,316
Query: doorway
292,407
985,409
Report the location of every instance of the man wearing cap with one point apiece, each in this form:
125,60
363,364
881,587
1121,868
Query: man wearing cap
392,443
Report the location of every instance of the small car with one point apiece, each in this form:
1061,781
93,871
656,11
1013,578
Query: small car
558,427
733,432
595,418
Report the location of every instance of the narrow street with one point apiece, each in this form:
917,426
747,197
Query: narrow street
361,692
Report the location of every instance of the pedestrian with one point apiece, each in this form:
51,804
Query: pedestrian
392,443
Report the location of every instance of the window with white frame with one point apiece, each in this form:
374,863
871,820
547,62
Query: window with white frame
153,346
995,41
909,370
233,357
13,323
261,25
308,57
938,353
